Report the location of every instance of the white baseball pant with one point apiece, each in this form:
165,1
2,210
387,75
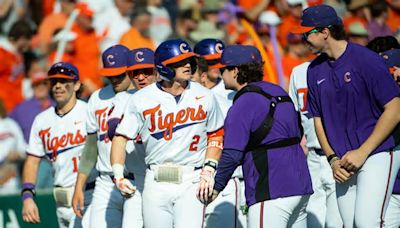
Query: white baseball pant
392,216
110,209
224,210
173,205
322,209
363,199
279,213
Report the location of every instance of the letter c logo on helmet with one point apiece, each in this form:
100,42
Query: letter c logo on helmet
139,56
219,47
110,60
183,48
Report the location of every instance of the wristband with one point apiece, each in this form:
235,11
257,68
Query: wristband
211,163
27,195
28,188
118,171
333,160
28,185
330,157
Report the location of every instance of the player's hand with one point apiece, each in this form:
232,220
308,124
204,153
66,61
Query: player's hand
125,187
340,174
78,202
353,160
30,212
206,185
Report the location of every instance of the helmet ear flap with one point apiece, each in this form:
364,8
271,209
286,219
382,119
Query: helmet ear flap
165,72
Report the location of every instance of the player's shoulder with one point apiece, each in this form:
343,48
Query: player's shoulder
196,89
80,105
364,56
46,115
104,93
146,91
300,69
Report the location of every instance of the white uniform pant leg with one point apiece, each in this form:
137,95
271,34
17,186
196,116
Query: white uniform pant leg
66,217
107,204
223,211
392,216
242,216
132,213
363,199
279,213
374,188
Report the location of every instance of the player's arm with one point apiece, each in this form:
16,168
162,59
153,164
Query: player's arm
339,173
386,123
30,212
86,164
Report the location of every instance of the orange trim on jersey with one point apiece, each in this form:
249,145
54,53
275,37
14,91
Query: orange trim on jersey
212,56
61,76
217,133
109,72
141,66
178,58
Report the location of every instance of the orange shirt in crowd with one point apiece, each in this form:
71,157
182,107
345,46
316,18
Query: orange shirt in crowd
11,75
289,62
47,7
350,19
48,26
133,39
87,55
393,20
288,24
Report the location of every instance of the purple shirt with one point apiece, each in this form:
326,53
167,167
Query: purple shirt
396,187
349,95
376,30
288,173
25,113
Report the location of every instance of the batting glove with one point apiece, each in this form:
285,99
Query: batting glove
125,187
206,185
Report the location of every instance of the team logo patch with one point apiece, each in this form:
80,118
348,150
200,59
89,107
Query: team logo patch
139,56
110,59
183,48
218,47
347,77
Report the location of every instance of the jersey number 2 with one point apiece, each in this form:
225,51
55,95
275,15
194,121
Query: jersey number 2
193,145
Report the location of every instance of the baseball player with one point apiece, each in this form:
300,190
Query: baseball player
263,134
392,217
58,133
322,207
230,201
108,205
180,125
355,105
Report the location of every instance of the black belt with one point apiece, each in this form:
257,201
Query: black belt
90,186
318,151
129,176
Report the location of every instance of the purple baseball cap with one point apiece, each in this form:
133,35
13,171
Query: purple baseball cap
318,16
115,61
63,70
392,58
235,55
140,58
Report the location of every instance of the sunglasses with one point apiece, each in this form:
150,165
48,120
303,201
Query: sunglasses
145,72
222,70
54,81
306,34
61,70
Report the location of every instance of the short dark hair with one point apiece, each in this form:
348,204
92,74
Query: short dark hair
249,72
139,12
20,29
383,43
337,32
202,64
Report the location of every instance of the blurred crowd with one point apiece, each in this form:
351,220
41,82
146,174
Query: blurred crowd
37,33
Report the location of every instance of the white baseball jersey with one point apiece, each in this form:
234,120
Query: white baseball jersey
61,139
134,148
298,92
224,96
99,106
173,129
11,138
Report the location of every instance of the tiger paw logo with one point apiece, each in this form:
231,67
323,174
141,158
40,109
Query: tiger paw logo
166,124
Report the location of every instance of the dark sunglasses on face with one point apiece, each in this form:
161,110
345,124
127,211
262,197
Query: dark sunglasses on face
145,72
54,81
314,30
222,70
180,63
